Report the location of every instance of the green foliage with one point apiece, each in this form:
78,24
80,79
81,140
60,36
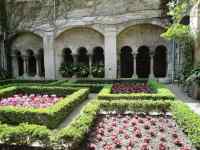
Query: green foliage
4,74
177,31
98,71
24,134
163,93
82,70
188,120
194,77
51,116
67,70
79,127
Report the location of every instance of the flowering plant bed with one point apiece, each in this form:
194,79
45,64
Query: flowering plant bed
131,88
127,132
47,106
32,100
150,90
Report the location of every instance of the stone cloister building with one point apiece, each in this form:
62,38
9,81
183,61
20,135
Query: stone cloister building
125,34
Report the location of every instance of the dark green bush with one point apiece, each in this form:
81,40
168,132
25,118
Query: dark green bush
162,93
51,116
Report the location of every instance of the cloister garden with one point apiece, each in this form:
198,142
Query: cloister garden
99,75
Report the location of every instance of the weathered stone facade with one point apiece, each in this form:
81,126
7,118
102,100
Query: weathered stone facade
195,26
109,24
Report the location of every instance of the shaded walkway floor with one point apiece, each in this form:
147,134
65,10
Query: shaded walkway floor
75,112
192,103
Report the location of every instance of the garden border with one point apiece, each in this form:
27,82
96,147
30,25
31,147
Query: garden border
74,134
162,93
51,116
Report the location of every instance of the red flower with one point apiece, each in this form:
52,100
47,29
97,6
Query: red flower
144,147
92,146
178,142
162,146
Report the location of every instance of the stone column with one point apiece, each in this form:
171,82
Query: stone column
15,66
90,66
75,61
151,66
25,61
111,53
135,66
38,66
49,56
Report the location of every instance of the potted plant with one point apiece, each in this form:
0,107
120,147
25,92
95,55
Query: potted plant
82,70
98,71
194,80
67,70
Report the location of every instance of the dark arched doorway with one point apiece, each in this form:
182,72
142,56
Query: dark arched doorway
31,63
67,56
98,56
143,62
126,62
83,58
20,63
42,67
160,62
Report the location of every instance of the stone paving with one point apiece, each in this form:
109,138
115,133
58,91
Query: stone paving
76,112
192,103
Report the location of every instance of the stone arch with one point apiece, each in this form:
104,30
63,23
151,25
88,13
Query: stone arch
156,23
140,34
160,61
31,67
23,41
67,56
126,62
79,36
98,56
143,62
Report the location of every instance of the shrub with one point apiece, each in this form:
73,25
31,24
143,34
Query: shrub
162,93
188,120
51,116
98,71
24,134
66,70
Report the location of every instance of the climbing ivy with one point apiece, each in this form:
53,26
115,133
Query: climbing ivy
181,33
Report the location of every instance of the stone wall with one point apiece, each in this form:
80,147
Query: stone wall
27,41
141,35
195,26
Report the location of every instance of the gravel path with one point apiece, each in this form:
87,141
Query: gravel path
192,103
75,112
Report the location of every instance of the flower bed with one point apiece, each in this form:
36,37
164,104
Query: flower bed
30,101
50,115
131,88
160,92
76,132
136,132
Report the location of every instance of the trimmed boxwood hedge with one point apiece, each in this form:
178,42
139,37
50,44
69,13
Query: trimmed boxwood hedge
74,134
51,116
161,93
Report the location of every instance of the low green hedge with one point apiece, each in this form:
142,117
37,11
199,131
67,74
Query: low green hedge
188,120
162,93
12,82
51,116
77,130
25,134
